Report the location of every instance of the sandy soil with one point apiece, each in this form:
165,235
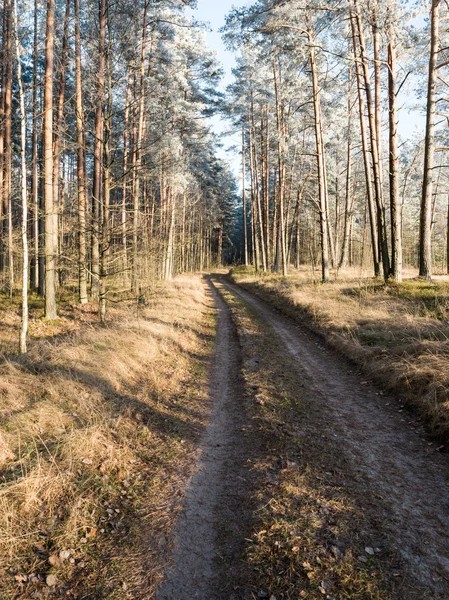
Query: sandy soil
211,532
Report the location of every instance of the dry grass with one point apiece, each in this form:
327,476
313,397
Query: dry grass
98,430
398,334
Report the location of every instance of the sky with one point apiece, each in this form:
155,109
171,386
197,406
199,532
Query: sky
213,13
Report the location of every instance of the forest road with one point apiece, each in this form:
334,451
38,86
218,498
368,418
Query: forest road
402,470
212,528
385,451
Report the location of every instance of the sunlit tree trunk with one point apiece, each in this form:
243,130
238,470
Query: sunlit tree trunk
425,229
139,149
97,196
34,158
81,162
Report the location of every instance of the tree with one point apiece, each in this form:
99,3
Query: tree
50,246
425,229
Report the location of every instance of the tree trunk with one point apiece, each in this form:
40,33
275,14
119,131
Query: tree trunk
425,228
139,143
322,192
97,196
382,233
8,141
58,125
23,190
281,251
366,161
81,162
125,179
245,230
349,197
104,245
50,250
396,219
34,159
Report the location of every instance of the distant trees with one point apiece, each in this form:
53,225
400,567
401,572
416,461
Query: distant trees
309,140
108,167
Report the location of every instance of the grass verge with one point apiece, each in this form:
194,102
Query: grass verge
98,434
397,334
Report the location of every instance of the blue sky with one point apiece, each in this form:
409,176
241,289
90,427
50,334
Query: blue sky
213,13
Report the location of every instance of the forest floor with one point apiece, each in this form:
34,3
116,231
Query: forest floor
99,432
206,446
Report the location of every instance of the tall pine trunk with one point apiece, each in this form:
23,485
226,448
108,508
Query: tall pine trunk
81,162
425,227
395,208
23,188
322,189
50,249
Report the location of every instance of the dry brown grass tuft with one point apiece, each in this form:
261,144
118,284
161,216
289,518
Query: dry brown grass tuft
398,334
98,427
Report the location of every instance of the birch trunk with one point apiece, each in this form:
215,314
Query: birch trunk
23,189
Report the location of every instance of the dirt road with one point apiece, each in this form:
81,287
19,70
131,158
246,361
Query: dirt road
211,532
386,452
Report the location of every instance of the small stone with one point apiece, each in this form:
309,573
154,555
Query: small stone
362,559
64,555
51,580
369,551
54,560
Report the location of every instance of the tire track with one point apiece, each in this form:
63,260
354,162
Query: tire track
399,467
211,531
